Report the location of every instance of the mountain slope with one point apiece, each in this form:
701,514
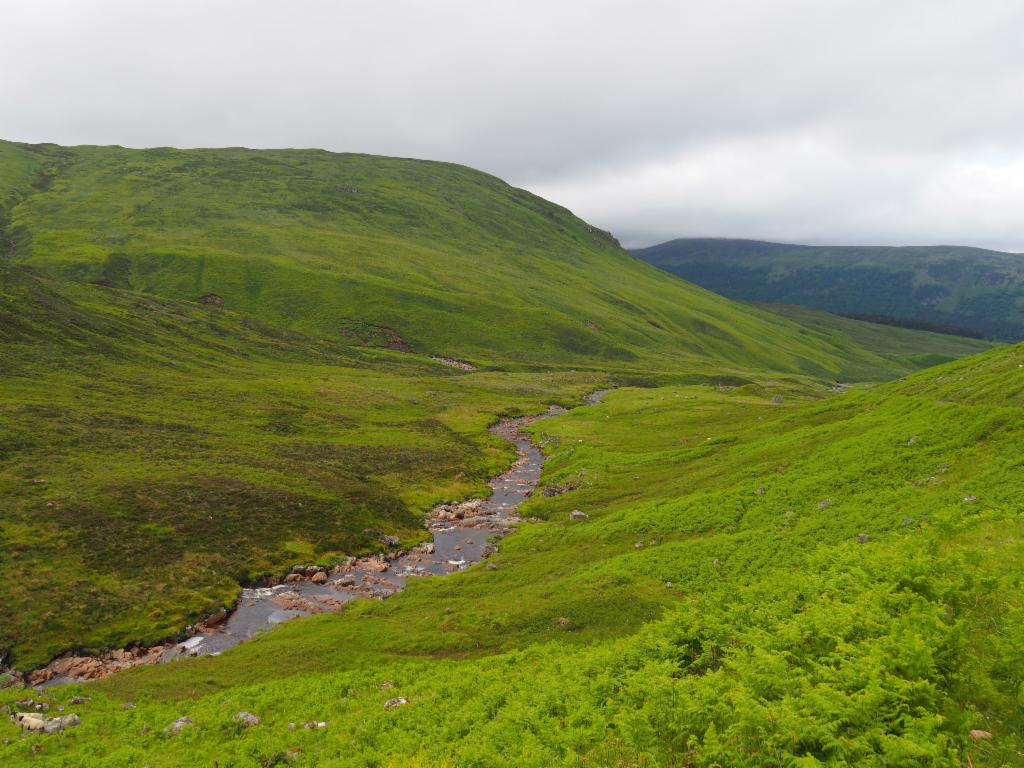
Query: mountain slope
426,256
956,289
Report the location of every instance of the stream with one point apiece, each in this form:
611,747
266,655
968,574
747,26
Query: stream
463,534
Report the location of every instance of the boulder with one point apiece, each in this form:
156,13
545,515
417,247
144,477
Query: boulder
247,719
178,726
217,619
58,724
319,578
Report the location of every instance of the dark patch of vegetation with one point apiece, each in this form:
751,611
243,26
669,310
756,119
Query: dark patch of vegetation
965,291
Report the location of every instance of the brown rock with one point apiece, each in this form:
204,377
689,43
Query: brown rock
319,578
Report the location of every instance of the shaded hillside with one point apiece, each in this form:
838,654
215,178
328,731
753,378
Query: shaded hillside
906,347
946,288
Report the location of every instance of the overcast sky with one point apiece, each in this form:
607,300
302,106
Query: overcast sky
827,122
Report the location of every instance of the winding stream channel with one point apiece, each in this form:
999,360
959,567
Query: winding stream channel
463,534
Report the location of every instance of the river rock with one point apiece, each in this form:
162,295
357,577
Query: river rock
319,578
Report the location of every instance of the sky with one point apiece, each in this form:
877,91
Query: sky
895,122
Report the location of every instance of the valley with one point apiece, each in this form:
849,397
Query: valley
240,388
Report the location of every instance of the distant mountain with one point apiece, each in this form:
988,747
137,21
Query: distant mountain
953,289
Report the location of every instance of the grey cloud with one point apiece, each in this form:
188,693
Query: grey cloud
836,121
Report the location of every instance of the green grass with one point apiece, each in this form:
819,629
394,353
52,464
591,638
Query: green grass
783,640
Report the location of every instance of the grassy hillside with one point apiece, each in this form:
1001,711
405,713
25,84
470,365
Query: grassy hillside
828,580
955,289
154,453
426,256
912,349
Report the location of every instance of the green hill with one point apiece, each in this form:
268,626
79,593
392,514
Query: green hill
967,291
425,256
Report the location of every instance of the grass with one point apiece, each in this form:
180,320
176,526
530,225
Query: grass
784,639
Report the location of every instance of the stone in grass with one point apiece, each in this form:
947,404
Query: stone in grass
178,726
395,702
979,735
759,491
824,503
247,719
863,538
578,516
970,499
58,724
